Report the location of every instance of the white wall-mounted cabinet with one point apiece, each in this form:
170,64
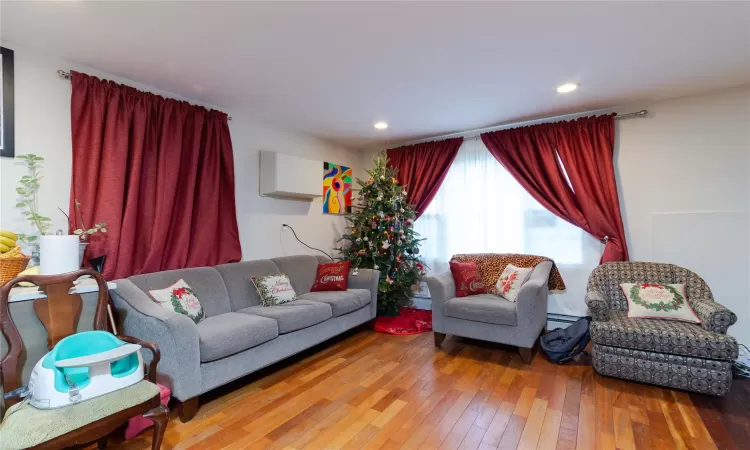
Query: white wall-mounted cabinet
287,176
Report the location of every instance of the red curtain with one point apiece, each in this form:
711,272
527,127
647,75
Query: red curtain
535,156
159,172
422,168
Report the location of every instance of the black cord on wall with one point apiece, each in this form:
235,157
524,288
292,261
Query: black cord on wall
283,225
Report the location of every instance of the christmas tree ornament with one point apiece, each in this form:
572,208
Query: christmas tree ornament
386,245
398,242
364,238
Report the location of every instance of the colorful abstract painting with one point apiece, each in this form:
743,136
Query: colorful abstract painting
337,189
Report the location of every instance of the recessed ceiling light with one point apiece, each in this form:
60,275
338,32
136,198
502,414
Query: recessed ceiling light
567,87
380,125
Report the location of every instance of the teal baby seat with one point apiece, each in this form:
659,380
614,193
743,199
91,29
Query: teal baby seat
86,343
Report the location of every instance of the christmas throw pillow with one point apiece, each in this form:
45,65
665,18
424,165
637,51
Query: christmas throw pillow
331,277
658,301
274,289
467,279
180,298
510,281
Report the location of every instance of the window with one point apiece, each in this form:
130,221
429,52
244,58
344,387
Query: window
481,208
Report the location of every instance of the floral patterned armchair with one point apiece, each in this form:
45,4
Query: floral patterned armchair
693,357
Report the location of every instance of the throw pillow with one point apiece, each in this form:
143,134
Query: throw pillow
274,289
658,301
467,279
510,281
180,298
331,276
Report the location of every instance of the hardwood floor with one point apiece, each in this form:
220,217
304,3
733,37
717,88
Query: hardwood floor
373,391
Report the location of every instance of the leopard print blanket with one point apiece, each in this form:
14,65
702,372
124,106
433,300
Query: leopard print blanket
491,265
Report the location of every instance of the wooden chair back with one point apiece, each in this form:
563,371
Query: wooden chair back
58,284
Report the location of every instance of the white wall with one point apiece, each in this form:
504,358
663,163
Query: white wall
42,112
685,190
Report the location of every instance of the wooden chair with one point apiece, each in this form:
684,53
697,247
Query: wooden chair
119,408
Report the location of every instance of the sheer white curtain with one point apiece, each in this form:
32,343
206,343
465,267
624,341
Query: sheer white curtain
481,208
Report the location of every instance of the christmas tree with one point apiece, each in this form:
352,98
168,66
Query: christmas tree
381,236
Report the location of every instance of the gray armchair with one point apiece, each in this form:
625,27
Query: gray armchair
489,317
668,353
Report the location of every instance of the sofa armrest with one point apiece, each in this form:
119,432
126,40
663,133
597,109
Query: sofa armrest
714,316
175,334
531,302
597,305
442,288
367,279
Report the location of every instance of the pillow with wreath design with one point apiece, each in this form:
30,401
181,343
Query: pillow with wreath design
658,301
181,299
274,289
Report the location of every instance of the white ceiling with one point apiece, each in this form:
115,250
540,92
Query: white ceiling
332,69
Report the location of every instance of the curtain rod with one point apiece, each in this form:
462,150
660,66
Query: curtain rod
66,75
474,134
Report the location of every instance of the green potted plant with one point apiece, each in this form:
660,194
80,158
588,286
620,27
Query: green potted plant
29,201
83,232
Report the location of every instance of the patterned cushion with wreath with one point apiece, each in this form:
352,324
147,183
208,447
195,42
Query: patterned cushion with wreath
658,301
274,289
181,299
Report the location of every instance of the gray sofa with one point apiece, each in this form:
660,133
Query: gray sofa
491,318
238,336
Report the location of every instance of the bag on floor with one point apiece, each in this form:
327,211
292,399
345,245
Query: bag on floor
561,345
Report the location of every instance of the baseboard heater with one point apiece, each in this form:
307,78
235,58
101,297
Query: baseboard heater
560,320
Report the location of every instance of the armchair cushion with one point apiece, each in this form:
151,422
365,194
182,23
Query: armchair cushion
231,333
714,316
663,336
485,308
25,426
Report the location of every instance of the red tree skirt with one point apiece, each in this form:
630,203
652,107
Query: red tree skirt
409,321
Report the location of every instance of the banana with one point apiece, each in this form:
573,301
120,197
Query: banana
10,253
9,235
8,242
4,248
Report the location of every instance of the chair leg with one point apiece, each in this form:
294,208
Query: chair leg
371,324
159,416
188,409
439,337
525,354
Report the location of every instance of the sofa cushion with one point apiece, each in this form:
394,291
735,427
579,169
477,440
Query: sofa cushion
485,308
663,336
230,333
205,281
236,276
301,270
341,302
294,315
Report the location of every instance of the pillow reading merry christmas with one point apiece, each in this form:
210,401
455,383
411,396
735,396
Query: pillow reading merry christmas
274,289
180,298
467,279
658,301
331,276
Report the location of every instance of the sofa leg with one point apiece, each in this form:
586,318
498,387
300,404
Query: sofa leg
525,354
370,325
439,337
187,409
